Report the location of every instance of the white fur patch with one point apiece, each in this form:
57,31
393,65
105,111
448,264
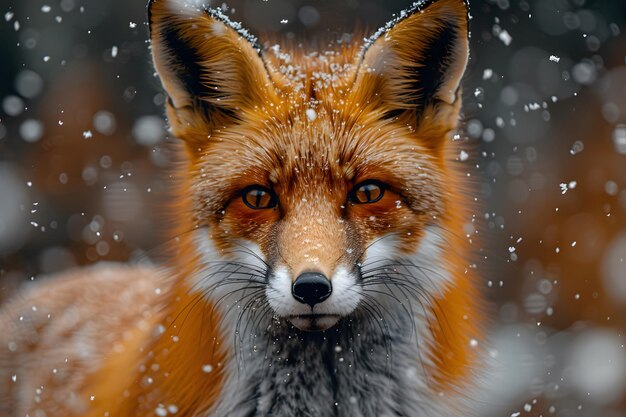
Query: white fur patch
345,296
215,268
428,258
278,292
425,264
381,249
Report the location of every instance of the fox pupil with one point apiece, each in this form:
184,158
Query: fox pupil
258,197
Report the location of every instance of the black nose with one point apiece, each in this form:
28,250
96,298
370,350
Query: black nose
311,288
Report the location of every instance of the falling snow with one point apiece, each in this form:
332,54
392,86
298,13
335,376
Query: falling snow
84,146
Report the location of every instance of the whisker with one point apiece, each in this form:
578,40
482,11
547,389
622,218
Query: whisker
251,252
408,312
388,235
249,266
372,310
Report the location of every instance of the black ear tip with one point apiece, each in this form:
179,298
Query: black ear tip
201,9
416,8
149,7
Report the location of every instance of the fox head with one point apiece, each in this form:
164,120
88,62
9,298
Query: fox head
315,177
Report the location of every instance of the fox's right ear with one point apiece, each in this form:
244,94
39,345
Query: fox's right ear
414,65
210,67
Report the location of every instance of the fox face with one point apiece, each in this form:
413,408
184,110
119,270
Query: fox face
314,179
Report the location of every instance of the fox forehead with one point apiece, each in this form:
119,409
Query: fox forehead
321,153
313,75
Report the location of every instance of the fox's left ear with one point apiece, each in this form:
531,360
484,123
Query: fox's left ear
210,67
416,62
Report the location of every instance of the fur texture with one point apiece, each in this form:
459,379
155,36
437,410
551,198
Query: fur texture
395,337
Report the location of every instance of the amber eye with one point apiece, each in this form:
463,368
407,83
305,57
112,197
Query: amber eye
366,192
258,197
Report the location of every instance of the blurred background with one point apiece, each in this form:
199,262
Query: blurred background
84,157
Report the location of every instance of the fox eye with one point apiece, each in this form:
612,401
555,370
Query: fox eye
367,192
258,197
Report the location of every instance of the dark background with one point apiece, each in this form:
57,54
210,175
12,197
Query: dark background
84,156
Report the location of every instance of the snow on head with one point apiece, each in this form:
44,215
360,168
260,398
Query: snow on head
236,26
416,7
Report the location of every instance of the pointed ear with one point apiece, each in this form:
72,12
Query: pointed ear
416,61
208,65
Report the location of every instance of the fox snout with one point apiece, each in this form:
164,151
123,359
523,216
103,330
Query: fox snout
314,279
311,288
305,292
313,301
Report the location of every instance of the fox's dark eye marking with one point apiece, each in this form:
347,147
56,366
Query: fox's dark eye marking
366,192
258,197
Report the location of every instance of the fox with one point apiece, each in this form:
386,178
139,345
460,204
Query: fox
318,260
